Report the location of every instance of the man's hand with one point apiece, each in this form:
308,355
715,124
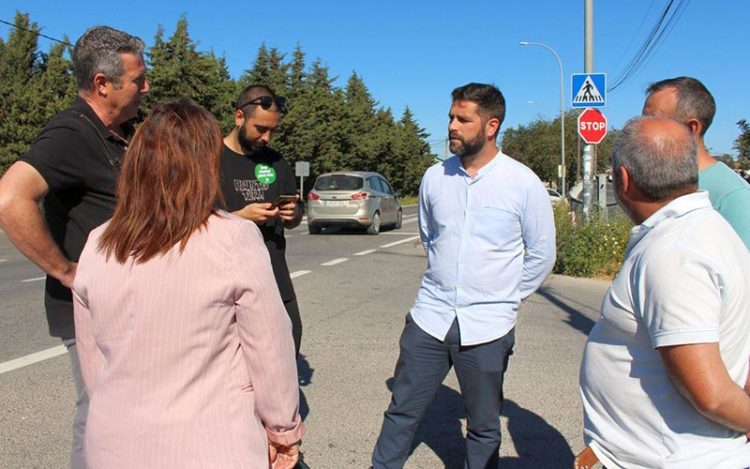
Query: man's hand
291,214
258,212
287,211
68,276
283,457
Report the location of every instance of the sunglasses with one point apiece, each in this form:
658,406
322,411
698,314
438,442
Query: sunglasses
265,102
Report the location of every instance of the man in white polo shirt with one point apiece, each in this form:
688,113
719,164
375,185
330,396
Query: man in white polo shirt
663,369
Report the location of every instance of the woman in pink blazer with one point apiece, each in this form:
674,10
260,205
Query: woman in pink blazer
184,343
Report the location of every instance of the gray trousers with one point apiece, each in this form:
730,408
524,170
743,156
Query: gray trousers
422,365
77,460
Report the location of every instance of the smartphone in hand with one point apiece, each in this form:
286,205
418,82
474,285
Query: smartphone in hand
283,199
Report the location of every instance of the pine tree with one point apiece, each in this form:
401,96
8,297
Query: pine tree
56,84
179,69
268,69
18,91
413,150
358,124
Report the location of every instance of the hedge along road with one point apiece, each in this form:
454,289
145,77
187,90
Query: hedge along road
353,311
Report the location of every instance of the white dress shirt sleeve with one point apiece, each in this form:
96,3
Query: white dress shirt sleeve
423,214
538,231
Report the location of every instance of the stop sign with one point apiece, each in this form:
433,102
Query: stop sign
592,126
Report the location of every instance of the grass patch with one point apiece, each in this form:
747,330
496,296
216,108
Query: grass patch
409,200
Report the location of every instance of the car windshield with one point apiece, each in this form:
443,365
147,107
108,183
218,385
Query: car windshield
339,182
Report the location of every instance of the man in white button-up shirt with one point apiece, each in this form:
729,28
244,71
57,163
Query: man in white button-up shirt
486,224
664,367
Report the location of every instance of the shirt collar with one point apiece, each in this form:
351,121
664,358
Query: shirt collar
678,207
80,105
482,171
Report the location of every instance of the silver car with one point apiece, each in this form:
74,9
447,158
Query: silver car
353,199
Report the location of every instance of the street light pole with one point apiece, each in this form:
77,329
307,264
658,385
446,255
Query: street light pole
562,111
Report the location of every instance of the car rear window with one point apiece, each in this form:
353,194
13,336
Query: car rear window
339,182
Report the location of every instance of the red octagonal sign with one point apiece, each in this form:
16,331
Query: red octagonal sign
592,126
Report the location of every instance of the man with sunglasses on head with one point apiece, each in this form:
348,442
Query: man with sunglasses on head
253,176
72,168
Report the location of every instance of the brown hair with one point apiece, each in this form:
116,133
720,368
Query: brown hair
169,184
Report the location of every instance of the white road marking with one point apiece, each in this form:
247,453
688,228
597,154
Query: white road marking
398,233
390,245
364,253
335,261
3,260
36,279
299,273
32,358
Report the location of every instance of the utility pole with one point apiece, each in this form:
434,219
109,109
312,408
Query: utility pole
588,149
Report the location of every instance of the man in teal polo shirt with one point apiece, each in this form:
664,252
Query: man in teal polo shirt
687,100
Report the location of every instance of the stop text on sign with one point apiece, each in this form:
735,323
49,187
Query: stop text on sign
592,126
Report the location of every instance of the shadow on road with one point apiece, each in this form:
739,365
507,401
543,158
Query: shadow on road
577,319
440,428
304,373
537,443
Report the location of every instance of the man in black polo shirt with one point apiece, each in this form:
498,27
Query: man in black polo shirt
252,178
73,167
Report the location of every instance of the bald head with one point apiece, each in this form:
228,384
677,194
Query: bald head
660,156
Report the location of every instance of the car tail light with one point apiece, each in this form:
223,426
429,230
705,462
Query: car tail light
360,196
312,196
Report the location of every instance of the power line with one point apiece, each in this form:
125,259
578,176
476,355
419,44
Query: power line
37,33
655,39
637,31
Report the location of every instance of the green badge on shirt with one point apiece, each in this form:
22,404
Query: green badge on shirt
265,174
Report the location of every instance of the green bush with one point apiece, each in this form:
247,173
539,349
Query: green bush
594,249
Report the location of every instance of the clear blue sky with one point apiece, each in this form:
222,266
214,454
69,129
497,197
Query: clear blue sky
414,52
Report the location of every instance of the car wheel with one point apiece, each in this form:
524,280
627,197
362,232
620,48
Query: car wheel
399,217
314,229
375,227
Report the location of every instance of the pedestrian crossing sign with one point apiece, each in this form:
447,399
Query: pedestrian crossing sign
588,89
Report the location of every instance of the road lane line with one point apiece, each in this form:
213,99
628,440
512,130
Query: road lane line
335,261
32,358
36,279
3,260
364,253
390,245
398,233
299,273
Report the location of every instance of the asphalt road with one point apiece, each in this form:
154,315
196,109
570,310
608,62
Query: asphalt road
354,291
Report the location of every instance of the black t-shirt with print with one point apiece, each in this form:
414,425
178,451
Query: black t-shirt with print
79,159
261,177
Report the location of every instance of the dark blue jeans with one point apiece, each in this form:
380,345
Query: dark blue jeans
422,366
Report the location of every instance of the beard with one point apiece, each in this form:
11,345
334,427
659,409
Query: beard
247,144
467,148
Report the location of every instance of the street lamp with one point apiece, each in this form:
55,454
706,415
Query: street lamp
562,111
